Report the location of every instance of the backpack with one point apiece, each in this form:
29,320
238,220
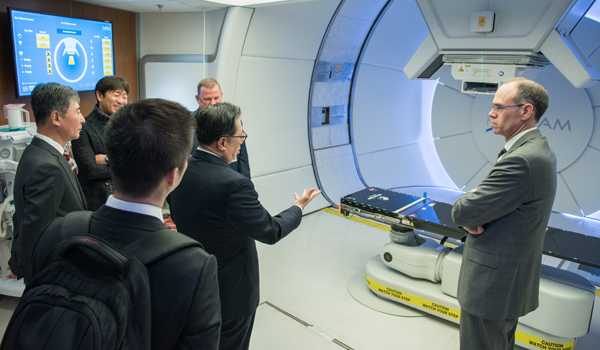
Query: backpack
88,294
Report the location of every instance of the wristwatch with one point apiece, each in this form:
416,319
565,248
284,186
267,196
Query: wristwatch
106,159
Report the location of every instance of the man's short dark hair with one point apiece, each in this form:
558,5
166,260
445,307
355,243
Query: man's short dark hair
528,91
112,83
47,98
208,83
216,121
144,141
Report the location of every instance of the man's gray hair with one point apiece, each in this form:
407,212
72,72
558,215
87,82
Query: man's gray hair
47,98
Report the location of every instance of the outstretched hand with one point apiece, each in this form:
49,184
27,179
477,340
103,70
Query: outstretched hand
306,197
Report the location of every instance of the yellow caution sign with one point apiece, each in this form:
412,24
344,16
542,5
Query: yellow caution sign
481,22
415,300
461,69
541,343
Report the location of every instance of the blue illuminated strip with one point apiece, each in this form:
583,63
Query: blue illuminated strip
68,31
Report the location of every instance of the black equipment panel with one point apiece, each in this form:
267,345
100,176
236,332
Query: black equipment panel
428,215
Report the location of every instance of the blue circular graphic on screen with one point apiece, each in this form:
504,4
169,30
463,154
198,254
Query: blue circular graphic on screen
70,60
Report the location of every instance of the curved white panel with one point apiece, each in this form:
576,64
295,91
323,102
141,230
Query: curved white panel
594,91
476,180
587,43
342,36
390,46
366,10
582,180
451,112
330,94
276,191
337,171
276,124
387,110
569,120
595,140
289,30
564,201
233,34
461,157
410,165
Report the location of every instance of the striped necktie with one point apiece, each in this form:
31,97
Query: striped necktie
501,154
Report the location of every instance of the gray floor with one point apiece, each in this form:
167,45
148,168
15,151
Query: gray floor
306,305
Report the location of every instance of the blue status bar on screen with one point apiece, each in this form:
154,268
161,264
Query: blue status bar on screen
68,31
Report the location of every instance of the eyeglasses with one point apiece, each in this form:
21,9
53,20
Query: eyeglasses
243,137
498,108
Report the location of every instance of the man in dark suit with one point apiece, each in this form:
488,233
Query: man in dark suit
220,208
148,142
506,217
209,93
89,150
45,186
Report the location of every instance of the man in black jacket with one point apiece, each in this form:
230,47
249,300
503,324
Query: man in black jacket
220,208
148,142
45,186
89,150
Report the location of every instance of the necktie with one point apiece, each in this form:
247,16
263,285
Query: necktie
502,151
68,156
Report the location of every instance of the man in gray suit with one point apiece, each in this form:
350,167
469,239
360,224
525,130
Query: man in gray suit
45,186
506,217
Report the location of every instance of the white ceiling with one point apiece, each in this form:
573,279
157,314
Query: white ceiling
167,5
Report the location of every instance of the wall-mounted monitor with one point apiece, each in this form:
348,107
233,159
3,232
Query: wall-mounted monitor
70,51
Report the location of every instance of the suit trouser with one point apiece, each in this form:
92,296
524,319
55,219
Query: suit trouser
477,333
235,334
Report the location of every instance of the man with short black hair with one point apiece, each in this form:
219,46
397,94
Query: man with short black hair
45,186
220,208
506,217
148,142
209,93
89,150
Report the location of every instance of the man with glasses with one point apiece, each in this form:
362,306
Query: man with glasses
220,208
209,93
506,218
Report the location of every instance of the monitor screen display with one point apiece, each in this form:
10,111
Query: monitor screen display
69,51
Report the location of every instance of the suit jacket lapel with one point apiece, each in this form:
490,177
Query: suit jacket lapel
60,158
96,125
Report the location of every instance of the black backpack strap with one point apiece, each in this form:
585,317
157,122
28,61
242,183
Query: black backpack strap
158,245
76,223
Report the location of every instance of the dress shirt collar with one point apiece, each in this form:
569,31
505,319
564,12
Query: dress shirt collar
145,209
60,148
209,152
516,138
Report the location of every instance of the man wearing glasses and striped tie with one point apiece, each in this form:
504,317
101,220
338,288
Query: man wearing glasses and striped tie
506,218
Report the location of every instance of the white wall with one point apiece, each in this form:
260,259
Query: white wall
177,34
